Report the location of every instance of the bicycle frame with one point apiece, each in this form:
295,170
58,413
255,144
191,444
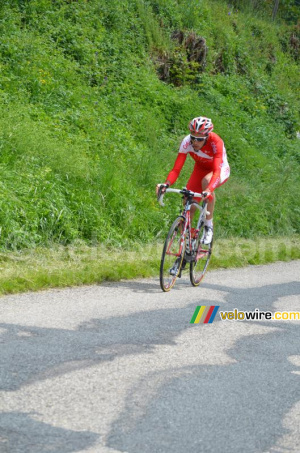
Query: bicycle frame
187,218
183,243
202,216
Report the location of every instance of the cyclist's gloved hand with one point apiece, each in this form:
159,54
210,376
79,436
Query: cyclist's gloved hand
206,194
161,188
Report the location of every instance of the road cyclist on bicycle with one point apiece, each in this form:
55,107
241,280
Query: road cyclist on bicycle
211,168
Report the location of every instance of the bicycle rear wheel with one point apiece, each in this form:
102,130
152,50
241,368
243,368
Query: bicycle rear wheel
172,256
199,265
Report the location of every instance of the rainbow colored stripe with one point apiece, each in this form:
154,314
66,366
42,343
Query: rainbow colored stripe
204,314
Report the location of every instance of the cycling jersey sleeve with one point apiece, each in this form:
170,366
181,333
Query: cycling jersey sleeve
179,162
218,146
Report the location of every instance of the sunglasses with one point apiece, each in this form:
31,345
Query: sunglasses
197,139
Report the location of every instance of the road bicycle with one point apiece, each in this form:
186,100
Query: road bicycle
183,243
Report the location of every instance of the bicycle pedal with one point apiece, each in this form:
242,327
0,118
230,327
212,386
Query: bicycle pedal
173,272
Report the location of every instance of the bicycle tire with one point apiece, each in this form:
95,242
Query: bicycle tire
171,259
198,266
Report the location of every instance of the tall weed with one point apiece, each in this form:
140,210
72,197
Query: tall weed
87,129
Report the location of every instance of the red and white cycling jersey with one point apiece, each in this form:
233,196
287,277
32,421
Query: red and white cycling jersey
211,157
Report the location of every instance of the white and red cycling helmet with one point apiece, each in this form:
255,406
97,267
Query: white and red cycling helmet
201,125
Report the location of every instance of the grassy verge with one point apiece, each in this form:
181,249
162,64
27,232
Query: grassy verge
43,268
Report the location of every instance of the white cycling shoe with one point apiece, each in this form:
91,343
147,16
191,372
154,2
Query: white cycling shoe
207,235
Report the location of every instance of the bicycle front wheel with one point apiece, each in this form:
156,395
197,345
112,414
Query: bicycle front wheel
172,255
199,265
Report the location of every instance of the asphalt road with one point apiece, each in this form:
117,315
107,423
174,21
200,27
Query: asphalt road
119,368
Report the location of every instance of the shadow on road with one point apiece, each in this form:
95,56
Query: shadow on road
201,407
147,286
21,433
227,409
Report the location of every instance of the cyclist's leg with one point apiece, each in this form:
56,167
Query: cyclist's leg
225,172
210,203
198,182
195,184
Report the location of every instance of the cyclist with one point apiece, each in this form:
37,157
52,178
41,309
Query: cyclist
211,168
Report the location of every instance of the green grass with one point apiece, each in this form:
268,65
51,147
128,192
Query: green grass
87,128
42,268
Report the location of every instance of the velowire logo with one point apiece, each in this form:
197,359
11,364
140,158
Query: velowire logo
204,314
